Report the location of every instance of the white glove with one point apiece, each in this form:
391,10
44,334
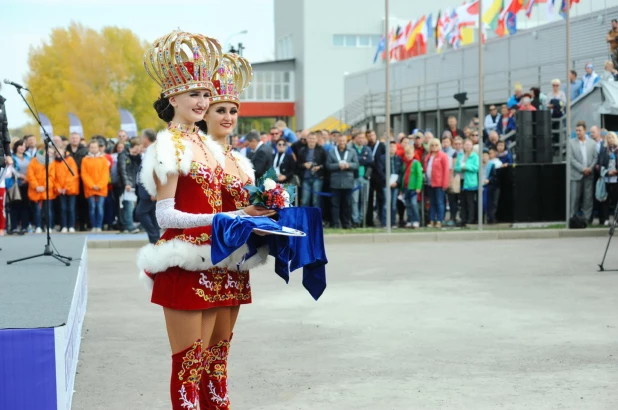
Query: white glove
168,217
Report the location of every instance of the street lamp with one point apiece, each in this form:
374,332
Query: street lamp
240,47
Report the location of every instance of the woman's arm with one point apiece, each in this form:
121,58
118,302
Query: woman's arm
169,217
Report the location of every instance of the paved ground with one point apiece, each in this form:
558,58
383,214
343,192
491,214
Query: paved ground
529,324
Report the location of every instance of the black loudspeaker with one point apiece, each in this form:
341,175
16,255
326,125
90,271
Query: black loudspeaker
532,193
534,145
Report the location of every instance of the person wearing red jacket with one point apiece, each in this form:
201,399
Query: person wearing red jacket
438,175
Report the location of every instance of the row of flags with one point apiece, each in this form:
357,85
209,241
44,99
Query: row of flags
127,123
454,28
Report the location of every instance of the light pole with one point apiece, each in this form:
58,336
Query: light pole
240,46
568,116
481,114
387,161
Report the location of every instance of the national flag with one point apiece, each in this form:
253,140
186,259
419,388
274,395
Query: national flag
466,35
513,6
437,31
564,6
416,30
491,12
468,14
551,9
529,8
511,23
380,49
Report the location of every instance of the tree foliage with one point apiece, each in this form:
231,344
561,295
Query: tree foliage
92,75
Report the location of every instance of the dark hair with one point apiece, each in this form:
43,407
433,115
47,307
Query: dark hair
101,140
252,136
134,142
63,138
492,148
116,146
17,144
356,134
164,109
614,21
28,136
581,123
574,73
150,134
501,142
282,140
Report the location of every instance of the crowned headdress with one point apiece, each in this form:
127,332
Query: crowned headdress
181,62
232,77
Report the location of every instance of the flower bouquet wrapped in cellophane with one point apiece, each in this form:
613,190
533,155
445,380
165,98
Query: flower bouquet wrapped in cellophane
269,193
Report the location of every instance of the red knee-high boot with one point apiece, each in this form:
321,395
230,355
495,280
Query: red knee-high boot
213,389
186,374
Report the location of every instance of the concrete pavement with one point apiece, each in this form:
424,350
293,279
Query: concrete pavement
461,325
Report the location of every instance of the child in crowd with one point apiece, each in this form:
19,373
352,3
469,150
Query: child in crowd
67,187
95,176
35,176
503,154
412,184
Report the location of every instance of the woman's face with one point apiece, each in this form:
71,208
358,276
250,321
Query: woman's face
190,107
434,146
467,146
21,149
221,119
119,148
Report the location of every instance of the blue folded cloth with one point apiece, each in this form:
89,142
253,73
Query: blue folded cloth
290,253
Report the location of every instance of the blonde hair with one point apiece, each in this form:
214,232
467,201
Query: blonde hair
555,81
408,149
435,141
609,63
613,136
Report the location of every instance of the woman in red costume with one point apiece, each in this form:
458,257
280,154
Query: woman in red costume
195,177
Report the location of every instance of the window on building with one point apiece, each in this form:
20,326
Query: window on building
270,86
356,40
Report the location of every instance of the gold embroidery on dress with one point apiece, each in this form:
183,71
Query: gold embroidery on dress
191,358
210,183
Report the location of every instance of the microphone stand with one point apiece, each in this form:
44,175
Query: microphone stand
50,249
612,228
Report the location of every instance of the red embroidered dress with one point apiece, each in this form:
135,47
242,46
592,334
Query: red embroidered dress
184,276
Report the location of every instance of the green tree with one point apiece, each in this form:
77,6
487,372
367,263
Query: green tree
92,74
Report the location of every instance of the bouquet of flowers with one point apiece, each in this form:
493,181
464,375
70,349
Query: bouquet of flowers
269,193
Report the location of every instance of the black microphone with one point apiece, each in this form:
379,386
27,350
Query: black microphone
19,86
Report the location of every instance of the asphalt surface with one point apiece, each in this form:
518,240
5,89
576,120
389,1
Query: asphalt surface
462,325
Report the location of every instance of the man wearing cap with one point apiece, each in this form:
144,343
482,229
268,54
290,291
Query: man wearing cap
589,79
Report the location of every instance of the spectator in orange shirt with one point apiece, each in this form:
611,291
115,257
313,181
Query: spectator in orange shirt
35,176
67,187
95,175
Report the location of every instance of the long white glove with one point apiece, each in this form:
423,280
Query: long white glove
168,217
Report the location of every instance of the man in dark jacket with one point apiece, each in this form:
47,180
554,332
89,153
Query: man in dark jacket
145,212
377,181
5,139
311,169
262,157
361,177
342,162
128,167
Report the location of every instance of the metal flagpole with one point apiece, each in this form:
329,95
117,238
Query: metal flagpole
387,156
568,114
481,119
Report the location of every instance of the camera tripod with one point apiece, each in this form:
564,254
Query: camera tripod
50,249
612,228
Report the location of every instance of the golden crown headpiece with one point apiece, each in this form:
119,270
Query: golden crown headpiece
232,77
181,61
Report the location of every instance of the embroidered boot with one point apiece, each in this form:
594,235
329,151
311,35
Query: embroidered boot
213,389
186,374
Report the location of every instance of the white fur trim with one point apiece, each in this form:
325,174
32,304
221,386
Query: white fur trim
160,160
158,258
245,164
146,280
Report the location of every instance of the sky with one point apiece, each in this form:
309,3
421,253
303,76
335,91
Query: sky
26,23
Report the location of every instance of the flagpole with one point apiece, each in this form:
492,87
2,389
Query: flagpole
481,115
388,127
568,114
